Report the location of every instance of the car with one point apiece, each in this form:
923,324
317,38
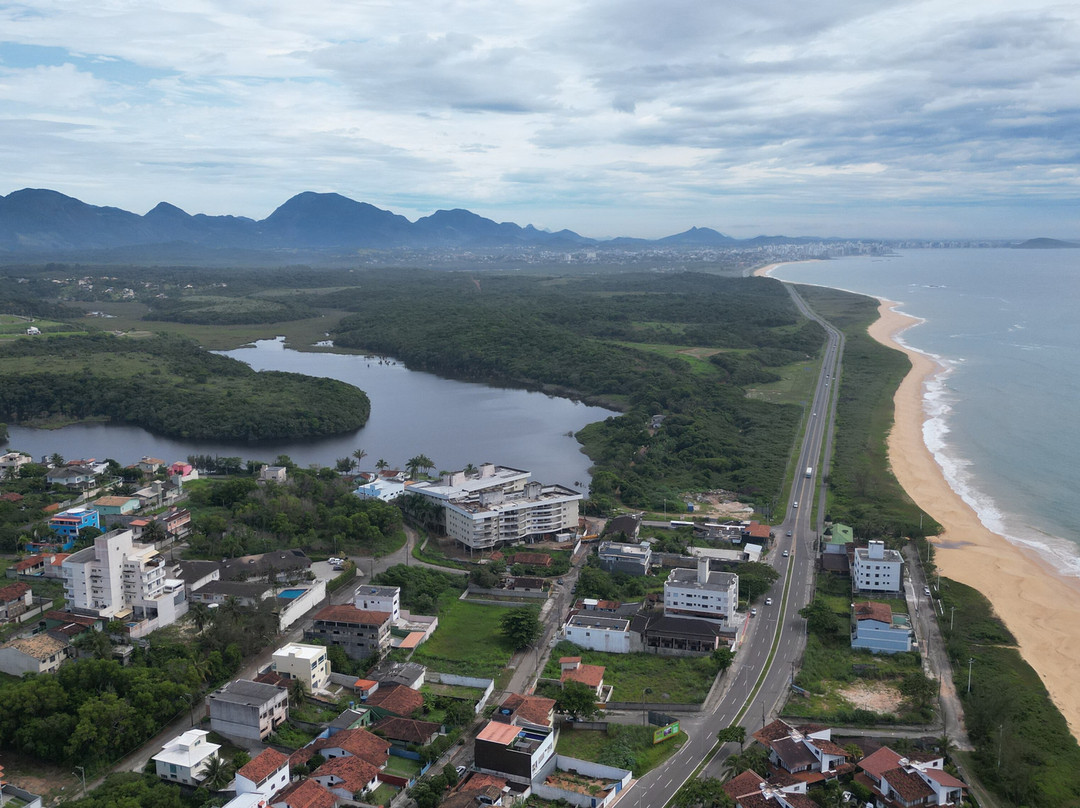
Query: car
926,591
460,770
789,534
560,580
753,612
786,553
768,601
795,504
338,567
336,560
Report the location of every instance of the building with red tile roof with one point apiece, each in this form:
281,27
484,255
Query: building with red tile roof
526,711
900,782
356,742
397,699
345,776
806,752
407,730
267,773
362,633
15,599
305,794
749,782
574,670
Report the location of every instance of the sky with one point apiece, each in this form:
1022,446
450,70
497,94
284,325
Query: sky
942,119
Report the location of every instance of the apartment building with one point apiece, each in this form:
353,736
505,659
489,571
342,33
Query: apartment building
702,594
875,569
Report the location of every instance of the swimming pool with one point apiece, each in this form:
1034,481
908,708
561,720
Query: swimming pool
291,594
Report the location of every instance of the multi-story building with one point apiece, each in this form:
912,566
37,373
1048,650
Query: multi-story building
516,753
379,599
877,629
265,774
246,709
118,579
499,505
360,632
308,663
11,462
633,559
184,759
70,522
702,594
610,634
875,569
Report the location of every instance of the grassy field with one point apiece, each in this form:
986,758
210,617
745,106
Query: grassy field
795,387
678,680
402,766
467,642
595,745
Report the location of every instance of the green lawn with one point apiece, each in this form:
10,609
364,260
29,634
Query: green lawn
679,680
382,795
403,767
796,385
467,642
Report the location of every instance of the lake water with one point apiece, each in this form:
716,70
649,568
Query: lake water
454,423
1002,422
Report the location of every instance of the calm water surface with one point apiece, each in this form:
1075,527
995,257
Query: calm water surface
454,423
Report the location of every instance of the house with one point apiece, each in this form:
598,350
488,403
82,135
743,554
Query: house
806,751
66,626
573,670
903,781
627,525
681,636
601,633
397,699
378,488
281,565
513,752
405,731
770,796
11,462
150,465
837,539
244,593
875,569
246,709
115,506
498,505
273,474
526,711
308,663
379,599
633,559
15,600
702,594
39,653
31,565
345,777
70,522
71,477
526,583
267,774
304,794
876,628
119,579
185,471
349,742
361,633
410,674
184,759
176,521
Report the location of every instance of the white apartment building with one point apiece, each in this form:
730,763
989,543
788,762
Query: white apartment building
702,594
379,599
875,569
184,759
308,663
120,580
499,505
11,462
608,634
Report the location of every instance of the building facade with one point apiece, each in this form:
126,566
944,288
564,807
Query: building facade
308,663
246,709
184,759
362,633
875,569
633,559
702,594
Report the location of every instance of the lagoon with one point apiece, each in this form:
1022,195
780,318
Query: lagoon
453,423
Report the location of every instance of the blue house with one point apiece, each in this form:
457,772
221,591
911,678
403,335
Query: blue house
68,524
877,629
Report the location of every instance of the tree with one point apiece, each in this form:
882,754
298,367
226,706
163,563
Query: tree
732,734
343,465
56,459
521,627
755,579
381,464
577,699
420,461
723,657
754,758
94,643
702,793
217,773
359,454
820,618
153,532
470,469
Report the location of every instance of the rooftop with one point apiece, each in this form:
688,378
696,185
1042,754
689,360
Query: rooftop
246,692
263,765
39,646
688,579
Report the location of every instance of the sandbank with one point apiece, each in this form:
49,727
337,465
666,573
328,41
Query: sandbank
1040,607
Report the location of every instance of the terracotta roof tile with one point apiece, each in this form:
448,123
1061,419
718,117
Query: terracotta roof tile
397,699
591,675
749,782
350,614
11,592
878,763
944,778
359,742
872,610
534,709
354,773
407,729
908,785
306,794
263,765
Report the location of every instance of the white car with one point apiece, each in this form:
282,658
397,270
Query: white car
786,553
335,560
768,601
926,591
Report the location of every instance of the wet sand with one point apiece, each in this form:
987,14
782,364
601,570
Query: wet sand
1040,607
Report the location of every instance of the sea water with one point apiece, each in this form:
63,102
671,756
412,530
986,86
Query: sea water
1005,326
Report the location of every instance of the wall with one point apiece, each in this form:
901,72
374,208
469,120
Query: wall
296,609
487,685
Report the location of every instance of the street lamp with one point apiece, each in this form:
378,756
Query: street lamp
643,693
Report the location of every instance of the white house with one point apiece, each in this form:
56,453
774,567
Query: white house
702,594
876,569
40,653
308,663
912,780
184,759
266,774
609,634
379,599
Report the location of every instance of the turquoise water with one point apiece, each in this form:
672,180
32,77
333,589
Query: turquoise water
291,594
1004,325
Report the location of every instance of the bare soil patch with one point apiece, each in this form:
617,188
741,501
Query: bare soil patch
879,697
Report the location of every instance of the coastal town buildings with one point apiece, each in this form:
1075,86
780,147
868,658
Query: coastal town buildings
702,594
184,759
877,629
876,569
308,663
246,709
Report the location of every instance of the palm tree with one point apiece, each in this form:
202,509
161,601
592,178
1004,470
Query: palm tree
380,464
359,454
424,462
297,692
470,469
217,773
752,759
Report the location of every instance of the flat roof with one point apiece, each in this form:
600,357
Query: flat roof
301,650
496,732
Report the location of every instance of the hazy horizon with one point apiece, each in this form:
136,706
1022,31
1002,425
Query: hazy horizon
902,120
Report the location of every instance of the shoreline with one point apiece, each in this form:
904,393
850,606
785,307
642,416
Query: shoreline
1039,606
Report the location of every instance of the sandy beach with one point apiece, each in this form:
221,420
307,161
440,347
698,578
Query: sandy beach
1040,607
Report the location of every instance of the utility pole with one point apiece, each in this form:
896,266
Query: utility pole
970,660
82,772
952,619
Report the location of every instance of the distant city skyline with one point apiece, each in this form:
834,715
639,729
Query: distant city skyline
897,120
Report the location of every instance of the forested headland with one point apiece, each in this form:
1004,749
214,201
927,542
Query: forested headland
169,386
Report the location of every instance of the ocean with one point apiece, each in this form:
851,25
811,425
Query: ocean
1005,324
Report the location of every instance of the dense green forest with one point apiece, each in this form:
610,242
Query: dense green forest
613,340
169,386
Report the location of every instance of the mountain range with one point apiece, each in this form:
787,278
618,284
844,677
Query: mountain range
39,221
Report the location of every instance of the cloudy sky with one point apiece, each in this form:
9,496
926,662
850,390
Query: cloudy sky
610,117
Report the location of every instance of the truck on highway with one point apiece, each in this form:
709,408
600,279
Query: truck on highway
809,472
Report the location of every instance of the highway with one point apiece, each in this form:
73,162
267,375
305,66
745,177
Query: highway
752,690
